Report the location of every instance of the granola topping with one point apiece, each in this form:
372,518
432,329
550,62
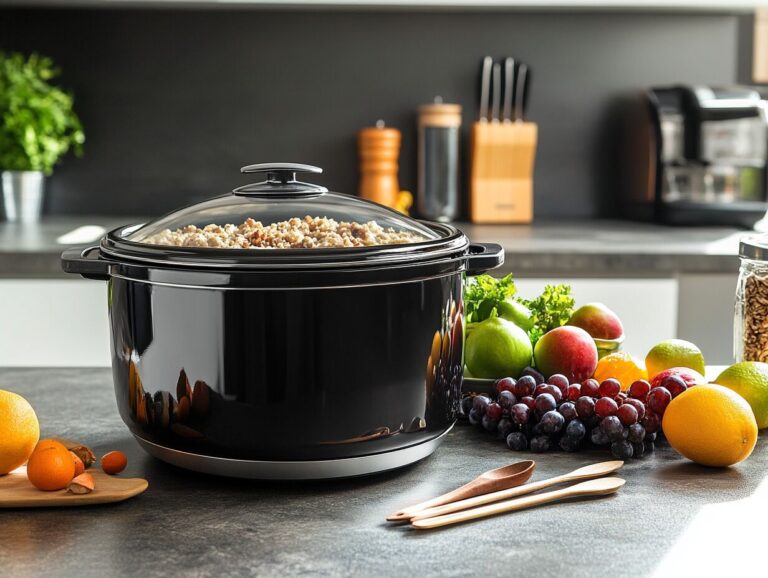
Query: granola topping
295,233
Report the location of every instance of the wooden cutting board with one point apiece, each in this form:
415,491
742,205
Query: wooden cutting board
17,492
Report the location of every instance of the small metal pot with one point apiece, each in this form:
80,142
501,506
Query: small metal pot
287,363
23,193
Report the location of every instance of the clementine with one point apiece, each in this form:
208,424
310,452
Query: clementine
50,467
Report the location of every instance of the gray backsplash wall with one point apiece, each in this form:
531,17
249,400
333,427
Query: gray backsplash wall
175,101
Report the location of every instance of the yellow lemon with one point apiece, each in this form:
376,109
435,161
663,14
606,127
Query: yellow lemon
711,425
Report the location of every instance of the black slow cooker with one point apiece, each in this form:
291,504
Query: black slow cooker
286,363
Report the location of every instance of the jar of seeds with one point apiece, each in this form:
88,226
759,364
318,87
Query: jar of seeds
750,339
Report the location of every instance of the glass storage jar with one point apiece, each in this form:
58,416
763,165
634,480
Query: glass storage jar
750,338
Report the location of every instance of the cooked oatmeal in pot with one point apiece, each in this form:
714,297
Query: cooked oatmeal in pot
295,233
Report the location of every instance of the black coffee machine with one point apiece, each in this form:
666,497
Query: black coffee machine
696,155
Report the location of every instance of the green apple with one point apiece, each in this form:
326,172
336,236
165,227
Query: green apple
497,348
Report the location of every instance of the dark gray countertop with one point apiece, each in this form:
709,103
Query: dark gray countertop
32,250
577,248
604,248
672,518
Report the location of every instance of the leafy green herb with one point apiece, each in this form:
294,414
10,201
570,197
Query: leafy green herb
551,309
484,294
37,122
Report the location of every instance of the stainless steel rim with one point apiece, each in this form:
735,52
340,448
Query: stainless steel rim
294,470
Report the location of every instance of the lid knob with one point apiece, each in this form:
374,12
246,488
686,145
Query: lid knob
281,178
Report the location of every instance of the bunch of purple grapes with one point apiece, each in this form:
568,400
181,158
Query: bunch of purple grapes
538,414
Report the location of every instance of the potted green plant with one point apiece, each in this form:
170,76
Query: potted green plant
38,125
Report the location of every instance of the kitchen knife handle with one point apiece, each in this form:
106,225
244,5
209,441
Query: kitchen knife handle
485,88
509,78
484,256
496,106
80,261
520,90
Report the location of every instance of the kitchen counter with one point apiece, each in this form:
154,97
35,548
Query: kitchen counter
576,248
34,251
611,248
672,518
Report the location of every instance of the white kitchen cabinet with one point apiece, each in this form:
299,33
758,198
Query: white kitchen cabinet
52,322
705,314
691,306
647,307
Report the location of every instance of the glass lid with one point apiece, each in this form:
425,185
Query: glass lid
282,213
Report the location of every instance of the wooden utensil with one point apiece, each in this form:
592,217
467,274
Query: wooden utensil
585,473
601,487
17,492
490,481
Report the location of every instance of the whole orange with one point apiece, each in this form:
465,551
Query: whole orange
19,431
711,425
50,467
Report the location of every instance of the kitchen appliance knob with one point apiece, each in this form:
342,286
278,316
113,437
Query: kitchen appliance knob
283,172
281,178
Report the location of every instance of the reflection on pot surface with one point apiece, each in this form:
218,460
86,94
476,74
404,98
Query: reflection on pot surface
446,360
288,374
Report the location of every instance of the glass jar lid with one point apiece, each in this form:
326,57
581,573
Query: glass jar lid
282,213
754,248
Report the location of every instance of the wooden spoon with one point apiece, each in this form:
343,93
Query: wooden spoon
585,473
601,487
490,481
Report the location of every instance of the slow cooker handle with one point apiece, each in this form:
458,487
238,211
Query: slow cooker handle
79,260
484,256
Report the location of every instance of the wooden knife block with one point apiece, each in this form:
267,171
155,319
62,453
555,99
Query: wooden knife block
501,182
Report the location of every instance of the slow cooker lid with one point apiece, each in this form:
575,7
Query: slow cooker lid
278,199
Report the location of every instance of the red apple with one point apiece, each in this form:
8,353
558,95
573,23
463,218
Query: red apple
567,350
597,320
